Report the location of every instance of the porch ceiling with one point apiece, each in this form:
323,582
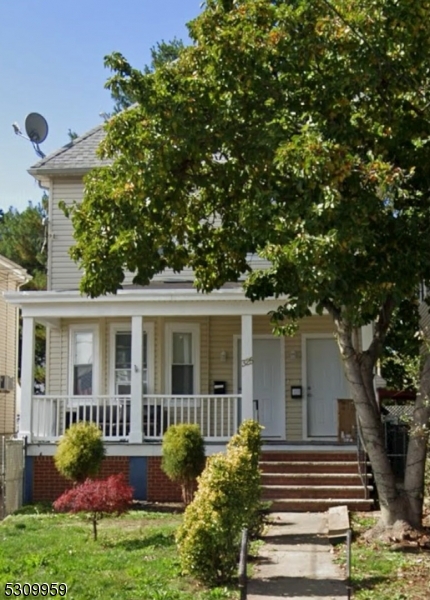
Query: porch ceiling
151,302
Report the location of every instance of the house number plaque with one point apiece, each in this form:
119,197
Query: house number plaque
247,361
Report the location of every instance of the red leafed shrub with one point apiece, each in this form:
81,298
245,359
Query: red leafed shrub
98,497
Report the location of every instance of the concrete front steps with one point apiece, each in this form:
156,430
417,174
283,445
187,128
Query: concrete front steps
313,481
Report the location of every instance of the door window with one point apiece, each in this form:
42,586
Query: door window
123,363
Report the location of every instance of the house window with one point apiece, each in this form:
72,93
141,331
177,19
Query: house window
183,348
123,363
182,363
83,363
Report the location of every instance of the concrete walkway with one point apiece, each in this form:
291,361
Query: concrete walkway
296,561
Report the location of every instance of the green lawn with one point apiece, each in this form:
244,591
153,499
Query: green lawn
380,573
134,558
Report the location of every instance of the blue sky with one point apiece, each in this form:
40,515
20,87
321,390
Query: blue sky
51,62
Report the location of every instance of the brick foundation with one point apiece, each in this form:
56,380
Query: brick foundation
160,488
48,484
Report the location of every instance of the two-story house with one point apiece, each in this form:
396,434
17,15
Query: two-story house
12,276
148,357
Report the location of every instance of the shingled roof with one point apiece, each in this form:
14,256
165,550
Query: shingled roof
78,155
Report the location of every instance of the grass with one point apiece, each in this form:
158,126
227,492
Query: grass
380,573
135,557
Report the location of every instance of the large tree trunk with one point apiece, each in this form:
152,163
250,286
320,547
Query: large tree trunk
417,449
359,369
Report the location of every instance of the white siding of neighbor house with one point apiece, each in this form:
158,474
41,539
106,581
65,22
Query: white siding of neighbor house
216,336
63,272
8,352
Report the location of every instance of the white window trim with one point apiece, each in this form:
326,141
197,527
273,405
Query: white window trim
90,328
148,328
194,329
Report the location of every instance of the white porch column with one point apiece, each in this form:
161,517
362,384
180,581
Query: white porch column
27,377
136,380
247,369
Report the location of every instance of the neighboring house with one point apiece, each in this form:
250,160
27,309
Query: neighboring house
151,356
11,278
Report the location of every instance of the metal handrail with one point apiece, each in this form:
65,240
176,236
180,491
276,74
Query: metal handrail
362,459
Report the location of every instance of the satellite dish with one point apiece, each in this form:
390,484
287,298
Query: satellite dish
36,128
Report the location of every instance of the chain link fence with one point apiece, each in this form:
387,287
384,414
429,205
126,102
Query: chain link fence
396,420
12,461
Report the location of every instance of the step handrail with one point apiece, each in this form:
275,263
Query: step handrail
362,459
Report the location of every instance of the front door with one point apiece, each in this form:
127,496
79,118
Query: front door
326,382
269,401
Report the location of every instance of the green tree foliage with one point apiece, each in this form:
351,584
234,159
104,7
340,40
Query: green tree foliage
226,501
183,456
23,239
80,452
402,346
298,131
161,54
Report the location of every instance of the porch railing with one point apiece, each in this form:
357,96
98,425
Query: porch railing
52,415
216,415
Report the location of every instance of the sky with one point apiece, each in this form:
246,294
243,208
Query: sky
51,62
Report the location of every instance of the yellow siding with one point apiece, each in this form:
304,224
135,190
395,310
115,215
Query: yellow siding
8,352
222,330
57,360
216,337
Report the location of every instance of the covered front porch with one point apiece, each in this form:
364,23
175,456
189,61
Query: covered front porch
139,361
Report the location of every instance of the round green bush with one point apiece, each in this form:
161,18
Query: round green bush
80,452
183,456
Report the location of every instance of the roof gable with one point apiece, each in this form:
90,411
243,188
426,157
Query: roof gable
79,154
13,269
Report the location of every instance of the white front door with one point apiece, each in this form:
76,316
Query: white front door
326,382
269,404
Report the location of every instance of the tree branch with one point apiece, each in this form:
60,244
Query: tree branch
381,327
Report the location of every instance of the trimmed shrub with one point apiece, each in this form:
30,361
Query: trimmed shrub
227,500
183,457
80,452
101,497
249,437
